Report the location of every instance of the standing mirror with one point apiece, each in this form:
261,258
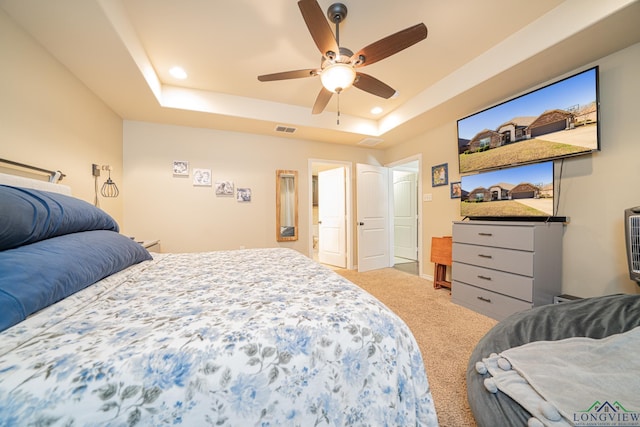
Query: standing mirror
286,205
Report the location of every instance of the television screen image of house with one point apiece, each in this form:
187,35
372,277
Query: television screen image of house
520,191
555,121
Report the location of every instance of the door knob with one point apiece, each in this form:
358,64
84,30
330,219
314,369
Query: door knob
361,223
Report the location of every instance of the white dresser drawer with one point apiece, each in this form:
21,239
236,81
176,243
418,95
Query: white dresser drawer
503,236
518,262
514,285
485,302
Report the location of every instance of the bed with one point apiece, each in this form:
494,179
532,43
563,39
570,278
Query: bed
583,348
97,331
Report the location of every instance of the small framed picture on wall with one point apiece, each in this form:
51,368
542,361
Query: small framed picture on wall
243,195
224,188
202,177
180,168
439,175
456,190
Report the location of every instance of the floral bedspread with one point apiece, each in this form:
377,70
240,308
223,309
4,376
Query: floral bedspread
234,338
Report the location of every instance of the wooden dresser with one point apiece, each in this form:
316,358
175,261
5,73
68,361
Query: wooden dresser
500,268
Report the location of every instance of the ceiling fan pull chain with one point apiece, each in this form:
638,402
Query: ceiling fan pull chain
338,119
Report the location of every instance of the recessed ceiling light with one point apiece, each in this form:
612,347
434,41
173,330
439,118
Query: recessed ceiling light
178,73
376,110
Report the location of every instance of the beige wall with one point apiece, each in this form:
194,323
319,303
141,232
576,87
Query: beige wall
595,189
187,218
51,120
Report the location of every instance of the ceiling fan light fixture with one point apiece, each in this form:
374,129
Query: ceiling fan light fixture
338,64
338,77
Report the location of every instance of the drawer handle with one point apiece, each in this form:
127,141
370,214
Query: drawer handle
485,234
484,277
485,256
484,299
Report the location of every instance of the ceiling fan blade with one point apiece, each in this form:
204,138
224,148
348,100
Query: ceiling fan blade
318,26
321,101
286,75
374,86
390,45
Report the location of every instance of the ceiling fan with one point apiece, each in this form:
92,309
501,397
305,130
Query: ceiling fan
338,65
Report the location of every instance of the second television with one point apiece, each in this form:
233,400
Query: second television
519,193
558,120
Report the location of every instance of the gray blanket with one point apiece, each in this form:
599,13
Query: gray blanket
594,317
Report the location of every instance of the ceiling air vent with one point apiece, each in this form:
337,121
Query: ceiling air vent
285,129
370,142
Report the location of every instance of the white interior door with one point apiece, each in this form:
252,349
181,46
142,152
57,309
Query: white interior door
373,217
405,215
332,243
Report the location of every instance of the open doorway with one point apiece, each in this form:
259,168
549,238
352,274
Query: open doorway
406,179
330,213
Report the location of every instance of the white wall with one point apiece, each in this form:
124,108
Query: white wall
187,218
49,119
595,189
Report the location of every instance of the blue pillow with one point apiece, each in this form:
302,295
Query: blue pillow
35,276
28,216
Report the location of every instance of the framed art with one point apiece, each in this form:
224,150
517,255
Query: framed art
202,177
180,168
439,175
456,190
244,195
224,188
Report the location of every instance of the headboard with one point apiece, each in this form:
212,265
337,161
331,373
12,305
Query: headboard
21,181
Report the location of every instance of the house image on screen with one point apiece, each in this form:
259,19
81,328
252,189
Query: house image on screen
522,128
515,129
550,121
505,191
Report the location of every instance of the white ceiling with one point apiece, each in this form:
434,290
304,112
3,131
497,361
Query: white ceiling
476,53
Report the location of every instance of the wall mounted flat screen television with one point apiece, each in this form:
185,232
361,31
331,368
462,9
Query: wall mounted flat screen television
558,120
518,193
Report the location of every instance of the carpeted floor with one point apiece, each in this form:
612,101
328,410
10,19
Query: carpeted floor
446,334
